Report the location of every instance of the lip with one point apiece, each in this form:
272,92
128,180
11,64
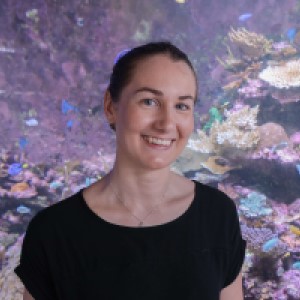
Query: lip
156,146
161,138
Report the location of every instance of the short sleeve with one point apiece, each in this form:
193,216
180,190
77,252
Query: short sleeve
33,269
236,254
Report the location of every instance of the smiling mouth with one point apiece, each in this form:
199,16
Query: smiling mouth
157,141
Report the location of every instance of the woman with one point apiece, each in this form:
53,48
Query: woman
142,231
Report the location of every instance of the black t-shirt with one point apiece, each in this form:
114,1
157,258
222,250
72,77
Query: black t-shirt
70,253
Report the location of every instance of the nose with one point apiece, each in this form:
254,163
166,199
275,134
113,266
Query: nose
165,119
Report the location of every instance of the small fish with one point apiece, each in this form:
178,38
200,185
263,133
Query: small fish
270,244
14,169
80,21
23,209
296,265
120,54
89,181
180,1
55,184
245,17
279,146
7,50
70,124
295,229
66,107
291,33
298,168
32,122
92,111
22,142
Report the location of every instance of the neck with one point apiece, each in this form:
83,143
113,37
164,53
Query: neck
140,191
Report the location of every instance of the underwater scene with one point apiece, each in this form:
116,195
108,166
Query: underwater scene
55,61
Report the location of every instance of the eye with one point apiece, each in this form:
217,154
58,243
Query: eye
183,106
149,101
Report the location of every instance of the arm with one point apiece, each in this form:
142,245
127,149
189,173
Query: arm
234,291
27,296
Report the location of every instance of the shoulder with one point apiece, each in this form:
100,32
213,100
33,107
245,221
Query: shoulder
56,213
218,211
214,199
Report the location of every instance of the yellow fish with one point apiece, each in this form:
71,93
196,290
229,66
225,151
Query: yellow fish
294,229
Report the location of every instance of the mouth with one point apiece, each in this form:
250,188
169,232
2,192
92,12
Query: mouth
158,142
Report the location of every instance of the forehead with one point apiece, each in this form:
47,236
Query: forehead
161,71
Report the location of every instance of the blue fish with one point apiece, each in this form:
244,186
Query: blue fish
120,54
55,184
66,107
298,168
23,209
245,17
22,142
291,33
270,244
296,265
70,124
14,169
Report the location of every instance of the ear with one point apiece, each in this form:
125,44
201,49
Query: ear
109,108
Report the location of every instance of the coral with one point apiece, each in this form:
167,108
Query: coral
11,288
254,88
295,139
271,134
256,237
284,76
254,205
201,143
251,45
231,63
291,284
239,130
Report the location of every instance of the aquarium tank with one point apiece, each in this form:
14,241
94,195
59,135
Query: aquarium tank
56,58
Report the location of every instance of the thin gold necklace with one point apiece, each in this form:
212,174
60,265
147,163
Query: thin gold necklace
141,221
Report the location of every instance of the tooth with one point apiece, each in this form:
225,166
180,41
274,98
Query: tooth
158,141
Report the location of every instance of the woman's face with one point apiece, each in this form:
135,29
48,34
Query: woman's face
154,116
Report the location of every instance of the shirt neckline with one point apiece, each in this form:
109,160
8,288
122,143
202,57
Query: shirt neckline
144,228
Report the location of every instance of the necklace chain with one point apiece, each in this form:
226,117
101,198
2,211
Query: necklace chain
141,221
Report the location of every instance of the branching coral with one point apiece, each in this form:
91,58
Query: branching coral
284,76
239,130
254,205
251,44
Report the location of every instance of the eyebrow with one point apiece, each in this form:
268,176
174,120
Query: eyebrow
160,93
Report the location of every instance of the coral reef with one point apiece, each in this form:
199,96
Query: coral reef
290,285
254,205
284,76
11,288
239,130
254,88
251,44
256,237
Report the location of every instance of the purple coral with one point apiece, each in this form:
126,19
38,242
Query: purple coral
291,285
256,237
255,88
